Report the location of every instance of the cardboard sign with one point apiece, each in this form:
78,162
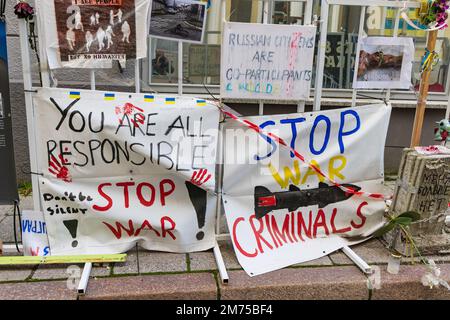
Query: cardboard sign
384,63
91,34
34,234
285,212
123,168
267,62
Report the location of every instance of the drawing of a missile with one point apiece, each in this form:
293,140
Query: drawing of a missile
266,201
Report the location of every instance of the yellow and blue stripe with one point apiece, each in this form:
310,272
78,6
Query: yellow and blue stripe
149,98
170,100
201,103
74,94
110,96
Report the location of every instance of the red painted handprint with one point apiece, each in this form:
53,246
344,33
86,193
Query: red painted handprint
198,177
58,169
130,109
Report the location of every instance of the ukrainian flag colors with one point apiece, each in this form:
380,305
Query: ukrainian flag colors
74,95
110,96
201,103
170,100
148,98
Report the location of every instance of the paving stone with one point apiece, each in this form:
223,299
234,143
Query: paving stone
229,256
189,286
202,261
45,272
7,230
128,267
14,273
371,251
325,283
151,261
407,285
47,290
323,261
437,258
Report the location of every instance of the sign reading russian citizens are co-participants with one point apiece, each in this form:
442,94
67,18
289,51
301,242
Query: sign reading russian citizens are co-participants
267,62
279,210
122,168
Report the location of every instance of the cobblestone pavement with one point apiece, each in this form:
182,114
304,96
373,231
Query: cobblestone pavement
158,275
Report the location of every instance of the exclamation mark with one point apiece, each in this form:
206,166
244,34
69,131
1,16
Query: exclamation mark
72,226
198,199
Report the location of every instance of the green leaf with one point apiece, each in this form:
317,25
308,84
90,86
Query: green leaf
402,220
410,214
384,229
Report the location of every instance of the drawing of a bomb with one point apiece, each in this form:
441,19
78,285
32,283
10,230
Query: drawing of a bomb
198,197
72,226
267,201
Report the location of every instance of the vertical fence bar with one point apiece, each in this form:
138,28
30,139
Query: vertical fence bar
28,86
394,35
137,76
180,67
358,48
308,12
321,54
92,74
43,67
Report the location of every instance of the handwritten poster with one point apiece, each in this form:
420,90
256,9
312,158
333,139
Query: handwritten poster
285,212
267,62
384,63
92,33
34,234
122,168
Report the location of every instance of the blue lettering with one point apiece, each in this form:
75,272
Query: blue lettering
293,123
327,134
343,133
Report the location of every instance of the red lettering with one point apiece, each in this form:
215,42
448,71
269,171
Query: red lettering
333,227
105,196
126,194
164,193
236,242
118,233
293,226
284,230
257,233
269,228
34,252
359,214
322,223
147,225
141,198
165,230
302,225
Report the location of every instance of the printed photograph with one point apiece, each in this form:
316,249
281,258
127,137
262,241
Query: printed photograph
96,29
178,20
384,63
380,63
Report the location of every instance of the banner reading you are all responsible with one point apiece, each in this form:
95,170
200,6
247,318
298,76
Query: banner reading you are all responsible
122,168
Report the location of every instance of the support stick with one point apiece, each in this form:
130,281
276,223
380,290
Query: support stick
82,285
220,264
423,94
357,260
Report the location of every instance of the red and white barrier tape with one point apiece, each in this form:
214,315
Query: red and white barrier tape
256,128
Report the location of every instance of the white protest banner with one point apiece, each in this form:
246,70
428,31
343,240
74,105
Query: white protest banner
267,62
384,63
34,234
93,33
122,168
286,212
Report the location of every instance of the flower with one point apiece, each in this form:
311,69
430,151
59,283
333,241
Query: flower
23,10
432,278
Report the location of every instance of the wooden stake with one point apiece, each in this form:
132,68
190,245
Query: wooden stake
423,94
